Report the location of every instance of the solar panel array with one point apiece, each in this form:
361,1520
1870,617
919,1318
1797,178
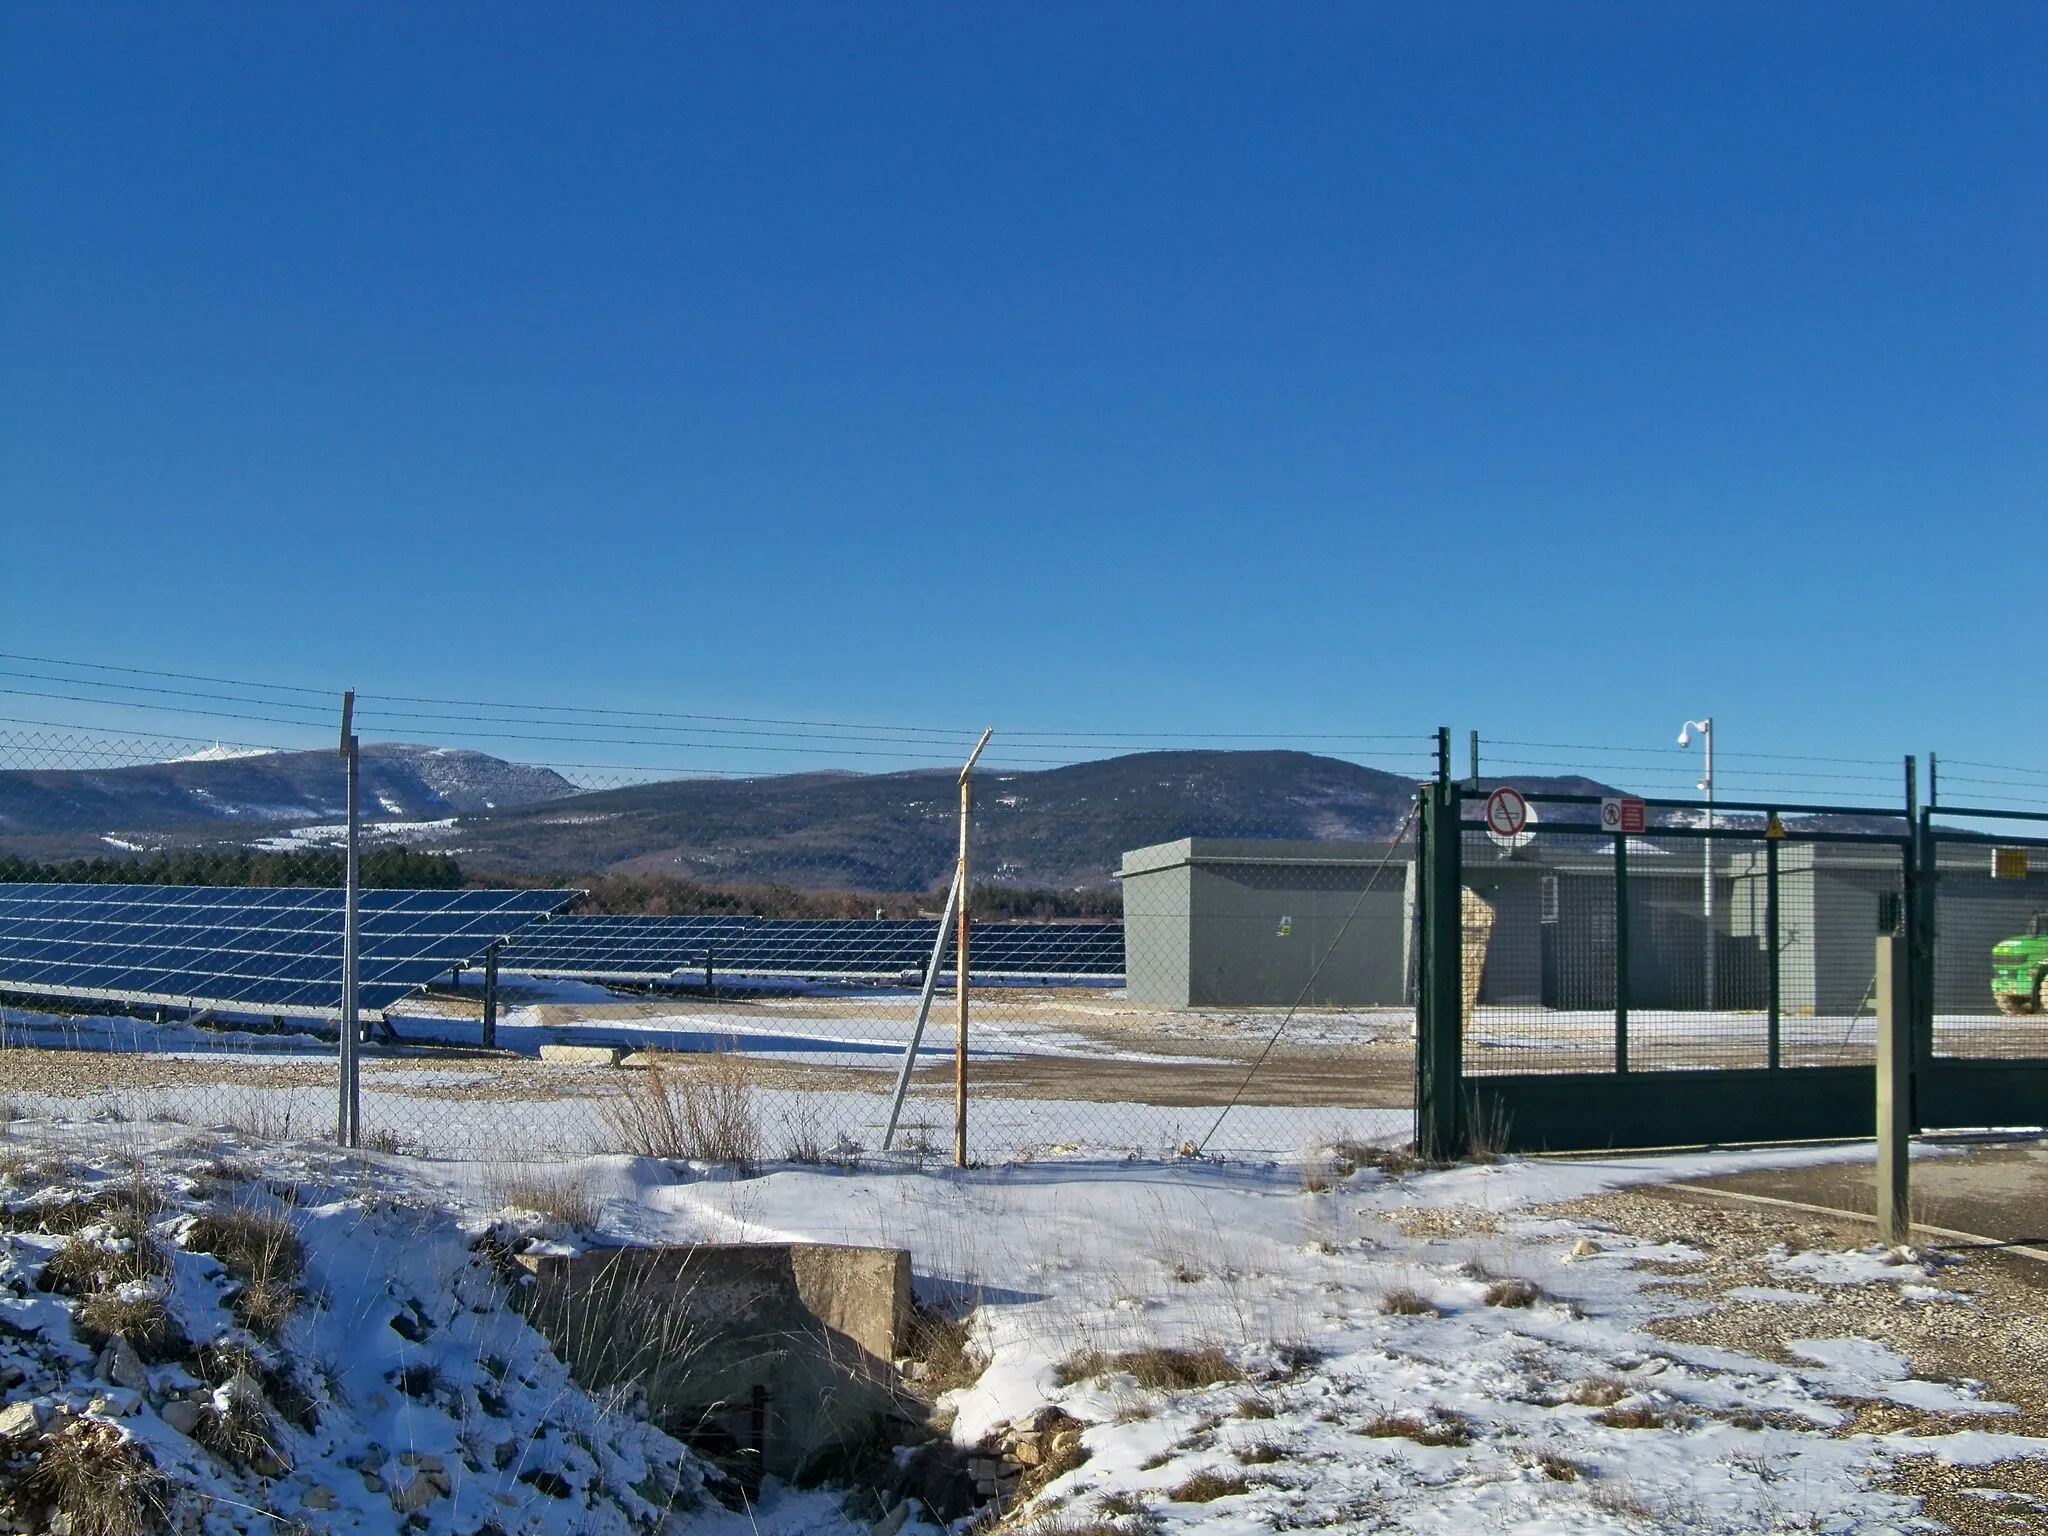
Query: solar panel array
260,950
654,948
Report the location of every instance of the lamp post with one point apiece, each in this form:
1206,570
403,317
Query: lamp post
1706,729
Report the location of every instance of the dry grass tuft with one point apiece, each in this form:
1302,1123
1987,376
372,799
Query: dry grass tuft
263,1252
243,1434
1513,1293
1205,1487
1254,1408
1642,1414
1160,1369
698,1108
135,1313
1071,1525
102,1482
86,1265
555,1193
1434,1429
1598,1392
1405,1301
942,1344
1259,1453
1559,1469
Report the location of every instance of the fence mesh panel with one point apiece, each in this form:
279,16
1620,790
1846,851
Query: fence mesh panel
1550,921
1986,1004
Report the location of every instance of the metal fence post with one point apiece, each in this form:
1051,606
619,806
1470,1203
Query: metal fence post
1894,1089
1439,1021
349,1115
1621,952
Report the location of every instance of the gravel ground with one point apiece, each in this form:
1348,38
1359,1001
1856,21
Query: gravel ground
1987,1322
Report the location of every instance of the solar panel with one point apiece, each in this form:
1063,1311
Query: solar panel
263,950
654,948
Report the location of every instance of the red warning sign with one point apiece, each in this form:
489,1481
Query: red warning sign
1623,813
1507,813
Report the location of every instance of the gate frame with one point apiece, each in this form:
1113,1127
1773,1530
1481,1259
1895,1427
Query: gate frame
1588,1111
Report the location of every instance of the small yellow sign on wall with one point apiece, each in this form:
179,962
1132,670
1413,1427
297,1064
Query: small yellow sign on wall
2008,863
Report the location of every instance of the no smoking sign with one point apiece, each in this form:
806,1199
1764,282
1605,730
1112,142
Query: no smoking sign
1507,813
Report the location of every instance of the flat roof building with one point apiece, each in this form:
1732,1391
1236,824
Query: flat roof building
1214,922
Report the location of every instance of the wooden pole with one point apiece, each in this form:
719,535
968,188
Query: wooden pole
960,985
1894,1092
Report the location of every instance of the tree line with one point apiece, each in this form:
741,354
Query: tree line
674,896
381,868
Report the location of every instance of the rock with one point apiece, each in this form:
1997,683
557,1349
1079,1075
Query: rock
1066,1442
123,1367
1025,1452
11,1376
120,1403
893,1521
984,1469
182,1414
1584,1248
505,1452
318,1497
24,1421
240,1390
417,1494
373,1482
422,1459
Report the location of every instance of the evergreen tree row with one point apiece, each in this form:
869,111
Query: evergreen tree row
383,868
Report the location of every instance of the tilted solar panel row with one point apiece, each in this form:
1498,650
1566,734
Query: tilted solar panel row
653,948
266,950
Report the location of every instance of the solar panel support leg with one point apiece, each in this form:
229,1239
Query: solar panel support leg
491,997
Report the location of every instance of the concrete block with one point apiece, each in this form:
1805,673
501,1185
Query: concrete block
805,1330
582,1055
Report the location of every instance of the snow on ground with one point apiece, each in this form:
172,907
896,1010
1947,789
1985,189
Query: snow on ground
419,1384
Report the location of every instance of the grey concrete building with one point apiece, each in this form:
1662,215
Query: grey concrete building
1242,922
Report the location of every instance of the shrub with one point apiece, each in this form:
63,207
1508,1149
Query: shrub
703,1111
1513,1293
1254,1408
554,1193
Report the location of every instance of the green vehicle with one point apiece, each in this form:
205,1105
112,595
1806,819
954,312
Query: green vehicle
2017,967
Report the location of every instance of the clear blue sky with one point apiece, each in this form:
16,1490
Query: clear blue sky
1560,370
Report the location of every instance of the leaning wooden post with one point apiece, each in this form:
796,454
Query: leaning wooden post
1894,1090
960,960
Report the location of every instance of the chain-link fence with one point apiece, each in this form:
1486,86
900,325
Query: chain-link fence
1264,1006
1272,928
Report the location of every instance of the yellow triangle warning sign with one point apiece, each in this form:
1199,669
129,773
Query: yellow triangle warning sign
1774,828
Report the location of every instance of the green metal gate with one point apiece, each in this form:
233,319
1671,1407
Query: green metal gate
1708,977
